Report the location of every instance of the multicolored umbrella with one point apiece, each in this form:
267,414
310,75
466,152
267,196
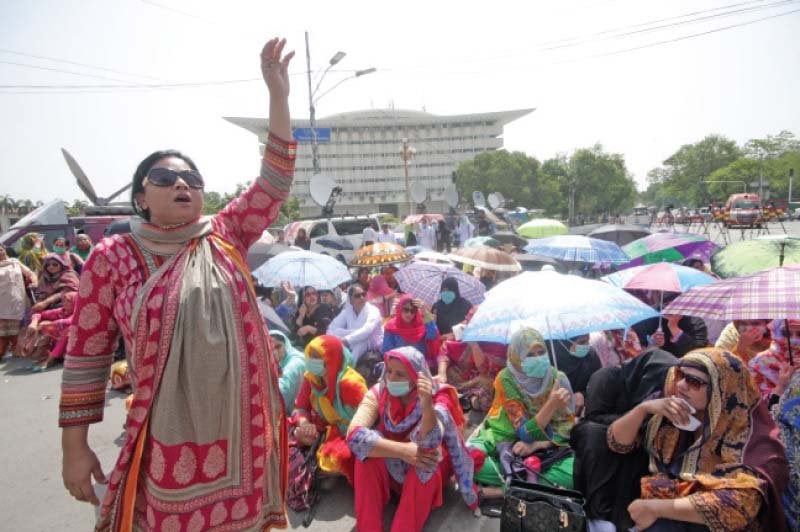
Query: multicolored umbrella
620,234
664,276
541,228
486,258
482,241
767,295
750,256
559,306
303,268
577,248
669,247
380,254
424,280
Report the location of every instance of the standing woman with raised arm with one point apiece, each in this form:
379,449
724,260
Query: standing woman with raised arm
205,438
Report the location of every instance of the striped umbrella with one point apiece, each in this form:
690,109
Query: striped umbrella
767,295
424,280
577,248
541,228
380,254
669,247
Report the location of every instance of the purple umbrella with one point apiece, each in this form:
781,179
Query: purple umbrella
669,247
424,280
767,295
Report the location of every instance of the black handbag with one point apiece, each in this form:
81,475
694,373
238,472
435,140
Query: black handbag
538,508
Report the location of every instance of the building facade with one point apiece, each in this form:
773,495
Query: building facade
361,151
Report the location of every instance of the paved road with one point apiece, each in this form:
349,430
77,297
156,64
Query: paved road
32,497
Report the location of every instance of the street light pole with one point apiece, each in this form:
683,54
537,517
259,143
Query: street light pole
406,153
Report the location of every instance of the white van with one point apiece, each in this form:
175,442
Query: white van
335,233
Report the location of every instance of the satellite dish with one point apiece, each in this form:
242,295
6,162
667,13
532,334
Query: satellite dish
85,185
320,187
419,192
501,198
494,201
477,199
451,195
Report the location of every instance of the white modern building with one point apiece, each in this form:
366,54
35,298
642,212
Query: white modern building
361,151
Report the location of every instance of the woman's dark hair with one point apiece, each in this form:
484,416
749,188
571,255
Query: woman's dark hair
144,167
690,262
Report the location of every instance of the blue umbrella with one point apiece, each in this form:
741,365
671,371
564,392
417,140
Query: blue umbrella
303,268
577,248
559,306
679,278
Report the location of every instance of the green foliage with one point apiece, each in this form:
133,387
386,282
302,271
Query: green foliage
77,207
213,202
512,174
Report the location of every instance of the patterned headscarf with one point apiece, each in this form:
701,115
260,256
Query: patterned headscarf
338,399
411,332
520,344
65,280
30,257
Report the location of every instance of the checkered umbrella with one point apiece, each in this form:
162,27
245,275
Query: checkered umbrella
424,280
768,295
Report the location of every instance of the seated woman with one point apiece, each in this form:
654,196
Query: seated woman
406,435
54,323
451,309
326,402
532,411
312,318
56,279
745,338
412,325
608,480
788,420
767,365
578,361
381,295
715,461
292,365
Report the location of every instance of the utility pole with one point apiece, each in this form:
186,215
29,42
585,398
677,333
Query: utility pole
406,153
312,119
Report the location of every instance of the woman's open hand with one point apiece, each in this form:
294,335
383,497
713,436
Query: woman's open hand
275,67
78,466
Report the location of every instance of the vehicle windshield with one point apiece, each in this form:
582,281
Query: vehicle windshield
746,205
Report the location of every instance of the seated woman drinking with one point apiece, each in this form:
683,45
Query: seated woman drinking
532,411
406,435
715,461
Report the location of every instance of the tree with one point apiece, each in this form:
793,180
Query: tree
77,207
684,172
213,202
512,174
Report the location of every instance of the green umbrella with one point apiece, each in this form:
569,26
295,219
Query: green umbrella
541,228
482,241
751,256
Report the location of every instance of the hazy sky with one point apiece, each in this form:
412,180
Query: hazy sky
570,59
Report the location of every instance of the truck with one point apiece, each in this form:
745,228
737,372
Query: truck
744,211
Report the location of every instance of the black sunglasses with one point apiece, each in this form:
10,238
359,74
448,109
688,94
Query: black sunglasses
165,177
695,383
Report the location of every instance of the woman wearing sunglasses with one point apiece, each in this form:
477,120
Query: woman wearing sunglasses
204,441
723,471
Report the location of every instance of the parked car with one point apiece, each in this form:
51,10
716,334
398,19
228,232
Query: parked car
340,236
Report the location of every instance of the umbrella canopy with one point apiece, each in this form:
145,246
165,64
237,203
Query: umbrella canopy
380,254
417,218
486,258
542,227
557,305
669,247
259,253
664,276
750,256
338,243
532,263
433,256
577,248
620,234
507,237
767,295
424,280
482,241
303,268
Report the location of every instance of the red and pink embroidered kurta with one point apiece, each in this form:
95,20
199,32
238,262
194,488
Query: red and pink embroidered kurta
226,483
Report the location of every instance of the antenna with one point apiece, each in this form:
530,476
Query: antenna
419,192
324,191
85,185
451,195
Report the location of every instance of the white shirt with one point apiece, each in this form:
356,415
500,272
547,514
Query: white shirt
368,235
361,331
387,237
426,237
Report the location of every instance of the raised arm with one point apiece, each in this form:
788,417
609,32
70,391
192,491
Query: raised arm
245,218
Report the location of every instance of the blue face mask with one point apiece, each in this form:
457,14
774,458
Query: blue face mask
316,366
398,388
447,297
59,249
581,350
535,366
